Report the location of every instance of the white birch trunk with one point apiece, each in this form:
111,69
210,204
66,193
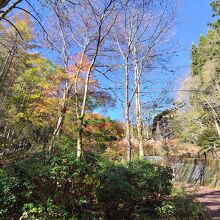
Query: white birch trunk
138,104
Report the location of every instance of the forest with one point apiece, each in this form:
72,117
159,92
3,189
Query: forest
90,127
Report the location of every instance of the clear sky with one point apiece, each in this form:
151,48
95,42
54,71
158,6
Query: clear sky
192,19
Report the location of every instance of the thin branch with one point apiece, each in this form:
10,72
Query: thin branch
3,15
19,33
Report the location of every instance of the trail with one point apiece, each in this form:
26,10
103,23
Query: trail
208,197
211,199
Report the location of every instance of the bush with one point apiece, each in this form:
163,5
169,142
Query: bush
135,191
69,184
59,186
182,206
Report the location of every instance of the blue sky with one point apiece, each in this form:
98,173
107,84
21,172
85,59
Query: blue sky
193,17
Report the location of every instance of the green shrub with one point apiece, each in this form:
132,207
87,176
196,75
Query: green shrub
68,182
182,206
60,186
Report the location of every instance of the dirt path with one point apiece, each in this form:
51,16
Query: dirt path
210,198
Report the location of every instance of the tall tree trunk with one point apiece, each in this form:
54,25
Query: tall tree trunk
127,112
61,118
77,109
65,55
81,115
79,139
139,125
83,108
138,104
128,134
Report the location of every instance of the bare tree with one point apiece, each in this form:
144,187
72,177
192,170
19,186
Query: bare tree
144,27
